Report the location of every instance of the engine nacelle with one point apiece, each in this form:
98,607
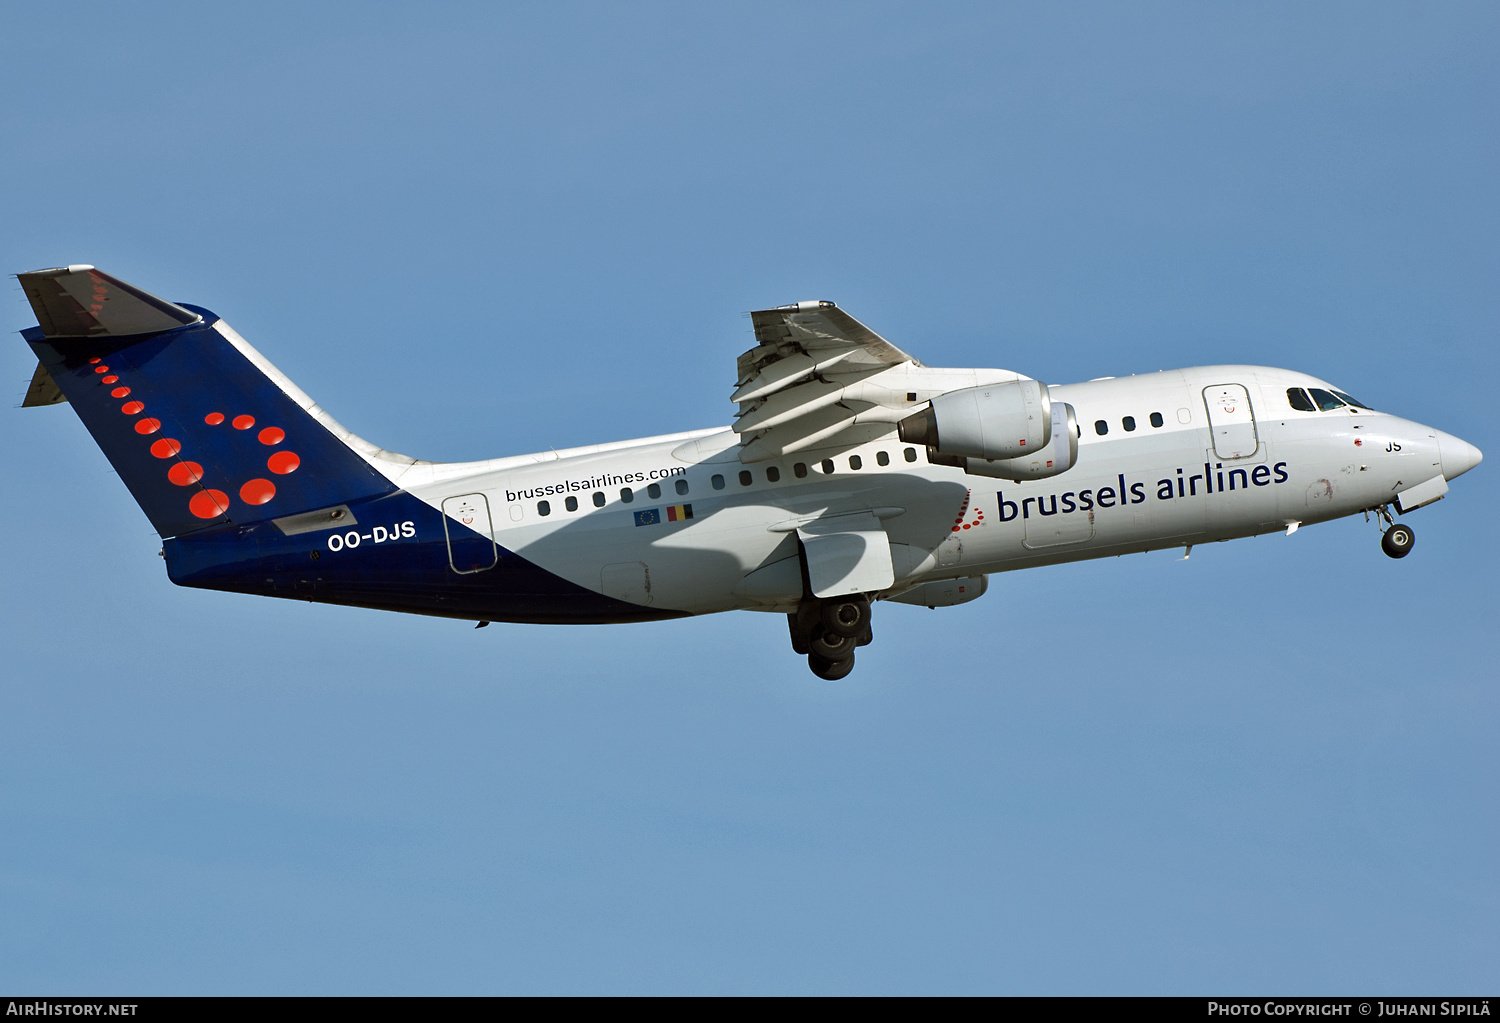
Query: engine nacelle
993,421
1060,454
945,592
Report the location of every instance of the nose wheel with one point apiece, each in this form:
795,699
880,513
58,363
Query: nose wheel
1397,539
828,631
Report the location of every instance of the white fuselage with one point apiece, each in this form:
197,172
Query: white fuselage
575,513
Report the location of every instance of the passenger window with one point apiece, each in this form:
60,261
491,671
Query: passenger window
1156,419
911,454
627,495
1298,399
856,463
653,491
827,467
1101,427
772,474
1326,401
1129,423
881,458
598,499
799,470
544,508
717,481
745,478
681,486
571,504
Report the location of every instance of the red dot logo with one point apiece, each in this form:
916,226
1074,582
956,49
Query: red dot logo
96,360
283,462
185,473
132,408
165,448
243,422
111,379
257,491
101,369
214,418
272,435
119,392
144,426
209,504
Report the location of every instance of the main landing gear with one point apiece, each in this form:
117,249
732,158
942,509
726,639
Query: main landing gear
1397,538
828,630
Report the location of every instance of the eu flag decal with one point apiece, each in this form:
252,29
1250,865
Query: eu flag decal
652,516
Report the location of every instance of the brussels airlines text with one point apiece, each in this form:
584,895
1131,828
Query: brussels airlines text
1212,480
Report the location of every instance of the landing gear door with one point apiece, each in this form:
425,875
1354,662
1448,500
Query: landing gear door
1231,421
847,554
471,537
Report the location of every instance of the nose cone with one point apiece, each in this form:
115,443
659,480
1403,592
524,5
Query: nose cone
1457,456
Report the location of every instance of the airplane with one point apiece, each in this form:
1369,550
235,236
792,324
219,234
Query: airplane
852,473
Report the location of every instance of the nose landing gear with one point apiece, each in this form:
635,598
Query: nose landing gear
827,631
1397,539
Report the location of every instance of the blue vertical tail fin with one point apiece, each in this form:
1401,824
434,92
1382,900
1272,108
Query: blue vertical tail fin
201,429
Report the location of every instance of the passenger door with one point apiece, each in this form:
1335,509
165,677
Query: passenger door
1231,421
468,553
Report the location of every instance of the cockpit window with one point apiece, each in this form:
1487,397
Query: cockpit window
1354,401
1299,400
1326,401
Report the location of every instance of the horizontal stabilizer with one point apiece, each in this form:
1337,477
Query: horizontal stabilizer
43,389
80,301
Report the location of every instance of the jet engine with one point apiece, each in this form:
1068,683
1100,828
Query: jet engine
1009,431
992,421
1058,456
945,592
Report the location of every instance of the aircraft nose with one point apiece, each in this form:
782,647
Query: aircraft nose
1457,456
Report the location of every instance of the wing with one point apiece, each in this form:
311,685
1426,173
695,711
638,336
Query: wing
800,386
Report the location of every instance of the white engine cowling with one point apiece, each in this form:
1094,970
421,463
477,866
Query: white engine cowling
993,421
1059,455
945,592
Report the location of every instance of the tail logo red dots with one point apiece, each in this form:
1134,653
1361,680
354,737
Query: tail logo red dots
132,408
165,448
185,473
283,462
214,418
209,504
257,491
243,422
144,426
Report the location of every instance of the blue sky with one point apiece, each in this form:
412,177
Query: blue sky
472,230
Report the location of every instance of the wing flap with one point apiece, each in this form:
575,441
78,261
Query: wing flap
796,386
